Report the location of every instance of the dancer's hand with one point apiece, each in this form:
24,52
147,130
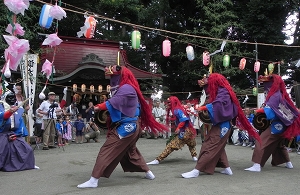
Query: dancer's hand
12,137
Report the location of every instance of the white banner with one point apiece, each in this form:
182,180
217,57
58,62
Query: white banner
28,67
260,99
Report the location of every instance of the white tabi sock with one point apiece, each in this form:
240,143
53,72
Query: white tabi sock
192,174
255,168
227,171
149,175
92,183
154,162
289,165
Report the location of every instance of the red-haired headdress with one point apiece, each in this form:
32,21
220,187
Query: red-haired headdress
215,81
147,119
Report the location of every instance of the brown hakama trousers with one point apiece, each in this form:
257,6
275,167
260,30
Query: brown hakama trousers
271,145
212,153
116,150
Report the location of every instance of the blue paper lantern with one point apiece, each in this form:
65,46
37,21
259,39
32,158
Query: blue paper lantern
45,20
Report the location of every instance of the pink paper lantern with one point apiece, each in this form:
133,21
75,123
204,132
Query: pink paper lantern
91,23
256,66
166,48
242,64
206,58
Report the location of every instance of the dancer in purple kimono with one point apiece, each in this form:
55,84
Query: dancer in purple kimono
285,124
222,109
15,153
128,110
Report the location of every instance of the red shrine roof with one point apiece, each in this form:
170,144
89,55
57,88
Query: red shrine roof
77,53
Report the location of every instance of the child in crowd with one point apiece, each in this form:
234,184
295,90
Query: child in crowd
79,126
68,130
60,131
38,131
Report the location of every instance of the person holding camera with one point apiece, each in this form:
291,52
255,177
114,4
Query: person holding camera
90,112
93,131
49,109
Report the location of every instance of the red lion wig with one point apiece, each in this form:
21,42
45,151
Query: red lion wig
278,84
147,119
215,81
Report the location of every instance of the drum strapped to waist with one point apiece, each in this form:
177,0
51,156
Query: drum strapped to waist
204,116
101,117
260,121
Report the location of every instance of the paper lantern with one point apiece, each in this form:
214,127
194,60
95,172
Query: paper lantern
91,24
271,68
42,95
226,61
45,20
135,39
92,89
254,91
74,87
242,64
7,72
83,87
100,88
190,53
108,88
166,47
206,58
256,66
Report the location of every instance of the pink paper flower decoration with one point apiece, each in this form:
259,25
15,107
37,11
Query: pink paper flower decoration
17,48
18,29
52,40
47,68
57,12
17,6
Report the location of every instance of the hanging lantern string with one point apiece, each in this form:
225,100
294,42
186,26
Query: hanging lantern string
169,37
172,38
166,31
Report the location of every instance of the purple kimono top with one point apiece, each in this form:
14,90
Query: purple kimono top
222,110
125,100
280,111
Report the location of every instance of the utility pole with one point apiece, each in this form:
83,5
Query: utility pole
256,58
